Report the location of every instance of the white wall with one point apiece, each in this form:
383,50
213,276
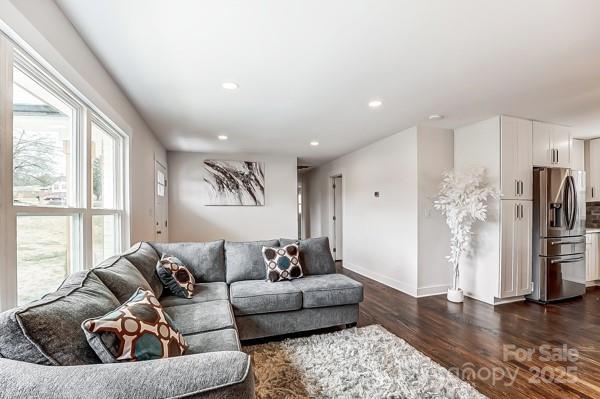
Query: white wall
435,154
191,220
379,234
398,238
43,27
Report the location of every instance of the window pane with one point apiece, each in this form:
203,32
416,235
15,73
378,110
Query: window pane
160,183
104,237
42,141
43,254
104,181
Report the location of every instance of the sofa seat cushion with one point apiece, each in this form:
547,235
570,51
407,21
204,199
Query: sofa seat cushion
203,292
328,290
48,331
202,317
244,260
258,296
121,277
206,260
213,341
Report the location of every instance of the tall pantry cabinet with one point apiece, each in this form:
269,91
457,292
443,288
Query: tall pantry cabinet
500,263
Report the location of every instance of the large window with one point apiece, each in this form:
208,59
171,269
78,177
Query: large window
66,209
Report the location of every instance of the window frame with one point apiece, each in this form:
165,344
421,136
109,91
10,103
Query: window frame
85,113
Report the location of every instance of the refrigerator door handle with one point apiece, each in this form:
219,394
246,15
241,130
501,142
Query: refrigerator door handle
572,208
574,260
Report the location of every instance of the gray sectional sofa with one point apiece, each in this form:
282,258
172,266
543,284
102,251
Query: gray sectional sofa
44,352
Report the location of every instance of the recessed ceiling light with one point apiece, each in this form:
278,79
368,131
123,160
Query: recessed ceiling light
375,103
230,86
314,143
222,137
435,117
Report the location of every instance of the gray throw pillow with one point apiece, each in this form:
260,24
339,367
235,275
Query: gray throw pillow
206,260
144,257
315,255
121,277
244,260
52,324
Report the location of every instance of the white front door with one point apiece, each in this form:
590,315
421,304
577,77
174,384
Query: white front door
161,223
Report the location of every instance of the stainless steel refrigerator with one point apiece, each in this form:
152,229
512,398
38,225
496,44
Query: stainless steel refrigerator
558,234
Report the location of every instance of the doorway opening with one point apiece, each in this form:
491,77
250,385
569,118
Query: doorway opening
338,217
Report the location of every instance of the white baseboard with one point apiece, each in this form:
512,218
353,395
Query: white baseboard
396,284
592,283
432,290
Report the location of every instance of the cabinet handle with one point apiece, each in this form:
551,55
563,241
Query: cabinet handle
521,187
592,192
521,207
557,161
516,187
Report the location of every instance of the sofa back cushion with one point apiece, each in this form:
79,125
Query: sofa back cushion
48,331
244,260
144,257
121,277
315,255
206,260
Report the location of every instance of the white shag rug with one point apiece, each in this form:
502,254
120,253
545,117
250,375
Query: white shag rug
367,362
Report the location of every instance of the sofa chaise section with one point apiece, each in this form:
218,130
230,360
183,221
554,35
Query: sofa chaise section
215,375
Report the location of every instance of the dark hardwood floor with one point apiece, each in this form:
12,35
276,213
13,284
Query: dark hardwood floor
478,341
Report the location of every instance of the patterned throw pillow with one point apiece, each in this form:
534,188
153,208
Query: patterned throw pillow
175,276
282,263
137,330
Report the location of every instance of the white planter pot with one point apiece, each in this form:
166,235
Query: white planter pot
457,296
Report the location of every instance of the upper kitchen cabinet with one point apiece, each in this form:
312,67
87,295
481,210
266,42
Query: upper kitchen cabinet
592,170
551,145
577,154
516,162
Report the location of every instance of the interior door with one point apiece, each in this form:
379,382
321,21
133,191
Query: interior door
524,249
161,224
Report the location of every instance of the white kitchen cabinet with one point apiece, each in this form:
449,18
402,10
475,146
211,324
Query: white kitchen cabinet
516,247
592,270
516,163
499,266
592,171
551,145
577,154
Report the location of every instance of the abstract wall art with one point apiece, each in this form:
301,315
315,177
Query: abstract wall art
240,183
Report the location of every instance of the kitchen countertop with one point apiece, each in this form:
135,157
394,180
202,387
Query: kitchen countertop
592,230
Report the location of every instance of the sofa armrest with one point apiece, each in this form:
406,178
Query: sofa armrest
205,375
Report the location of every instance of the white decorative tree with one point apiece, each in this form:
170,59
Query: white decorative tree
462,199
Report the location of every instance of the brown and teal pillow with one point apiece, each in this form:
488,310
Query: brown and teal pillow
175,276
137,330
282,263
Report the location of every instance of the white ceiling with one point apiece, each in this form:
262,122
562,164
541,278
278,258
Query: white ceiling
307,69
